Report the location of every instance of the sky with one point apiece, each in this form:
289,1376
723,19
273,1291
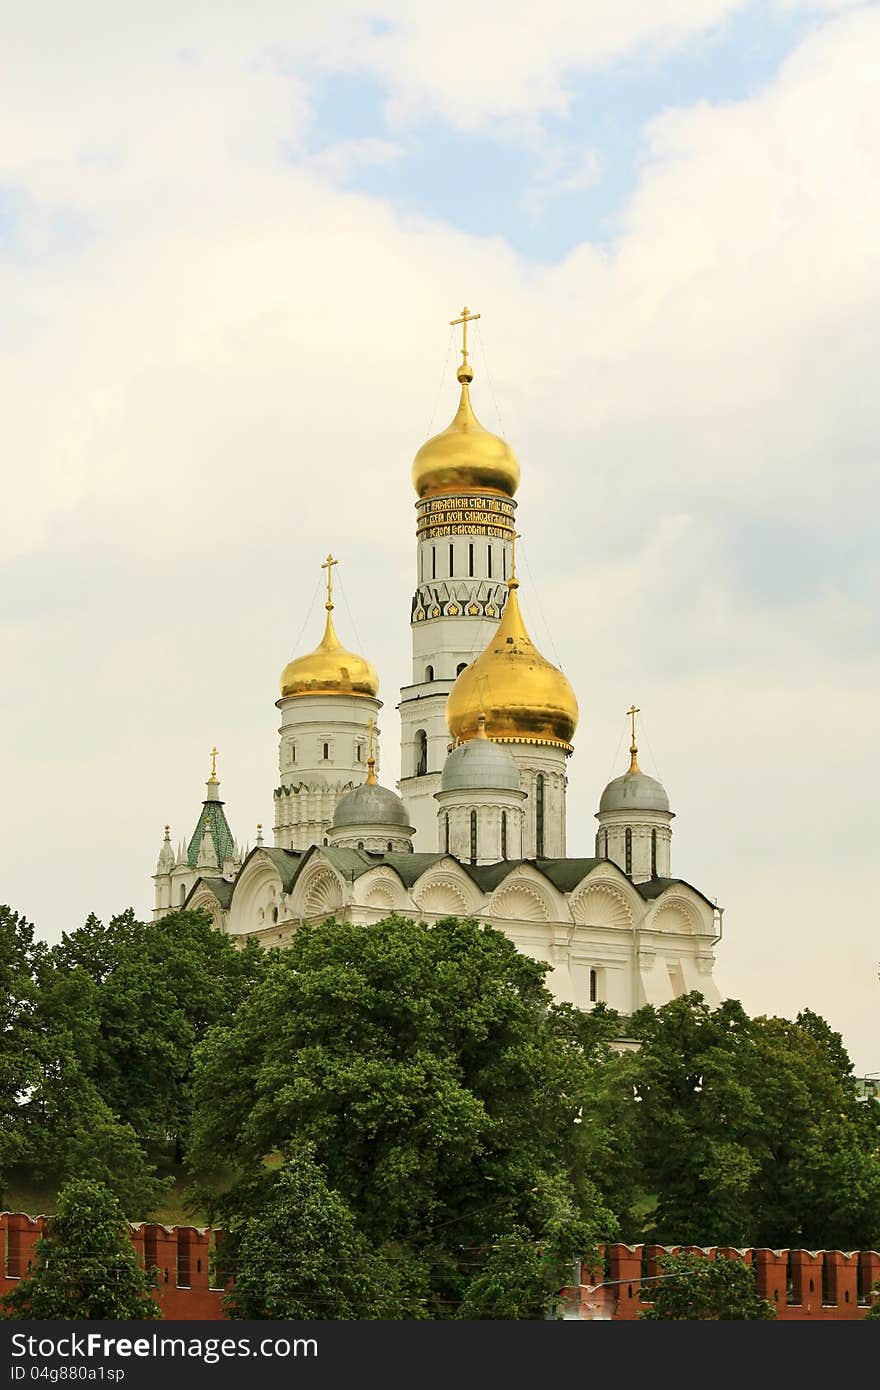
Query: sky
231,241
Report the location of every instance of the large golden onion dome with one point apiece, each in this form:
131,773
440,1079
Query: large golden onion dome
465,457
524,697
329,669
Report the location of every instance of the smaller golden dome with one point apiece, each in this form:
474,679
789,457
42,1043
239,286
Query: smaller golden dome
329,669
465,457
523,696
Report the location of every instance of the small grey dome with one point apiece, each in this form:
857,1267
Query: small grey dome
370,804
477,765
634,791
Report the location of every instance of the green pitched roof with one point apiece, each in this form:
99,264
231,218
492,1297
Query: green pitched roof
214,816
220,887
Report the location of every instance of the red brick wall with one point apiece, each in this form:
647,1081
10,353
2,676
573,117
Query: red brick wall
814,1285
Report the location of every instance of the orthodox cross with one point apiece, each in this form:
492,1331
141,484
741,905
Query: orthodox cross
517,536
466,318
328,566
633,748
371,757
632,712
215,753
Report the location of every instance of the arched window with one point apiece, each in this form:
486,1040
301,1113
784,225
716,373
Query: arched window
360,753
390,846
460,667
503,834
473,837
594,986
433,562
429,673
421,752
326,751
446,832
182,893
451,560
539,816
360,844
653,853
490,562
471,560
504,562
274,914
629,850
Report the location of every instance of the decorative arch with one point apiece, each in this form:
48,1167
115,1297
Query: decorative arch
321,892
444,894
257,888
601,905
521,901
383,890
676,914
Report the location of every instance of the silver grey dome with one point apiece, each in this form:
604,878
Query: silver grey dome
634,791
370,804
477,765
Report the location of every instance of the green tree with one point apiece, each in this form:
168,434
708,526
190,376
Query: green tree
302,1256
698,1119
86,1266
424,1065
874,1310
697,1288
131,1002
20,957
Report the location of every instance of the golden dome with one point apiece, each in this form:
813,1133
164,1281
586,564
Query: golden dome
329,669
523,696
465,457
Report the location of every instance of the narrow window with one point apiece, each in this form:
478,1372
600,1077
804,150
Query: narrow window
182,893
293,752
433,562
471,560
594,987
653,853
429,673
539,816
460,667
490,562
360,753
360,844
473,837
451,559
503,834
390,845
446,834
326,751
504,562
629,851
421,752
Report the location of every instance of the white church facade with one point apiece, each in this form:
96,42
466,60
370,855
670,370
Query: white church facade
478,828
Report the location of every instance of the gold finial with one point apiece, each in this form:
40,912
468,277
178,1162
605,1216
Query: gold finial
633,748
328,566
371,759
215,753
168,832
465,371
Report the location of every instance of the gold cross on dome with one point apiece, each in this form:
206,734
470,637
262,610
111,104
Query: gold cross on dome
466,318
328,566
632,712
215,753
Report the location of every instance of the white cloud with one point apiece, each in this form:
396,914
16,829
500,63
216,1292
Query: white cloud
229,373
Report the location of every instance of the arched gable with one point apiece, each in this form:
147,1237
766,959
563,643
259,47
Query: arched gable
319,891
445,890
677,910
257,898
526,895
598,902
382,889
202,898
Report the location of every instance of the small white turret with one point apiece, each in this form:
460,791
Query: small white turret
635,822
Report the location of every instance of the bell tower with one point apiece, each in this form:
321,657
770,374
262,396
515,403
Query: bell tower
465,478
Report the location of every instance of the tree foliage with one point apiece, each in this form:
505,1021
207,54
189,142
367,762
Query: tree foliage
696,1288
425,1067
86,1266
750,1131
